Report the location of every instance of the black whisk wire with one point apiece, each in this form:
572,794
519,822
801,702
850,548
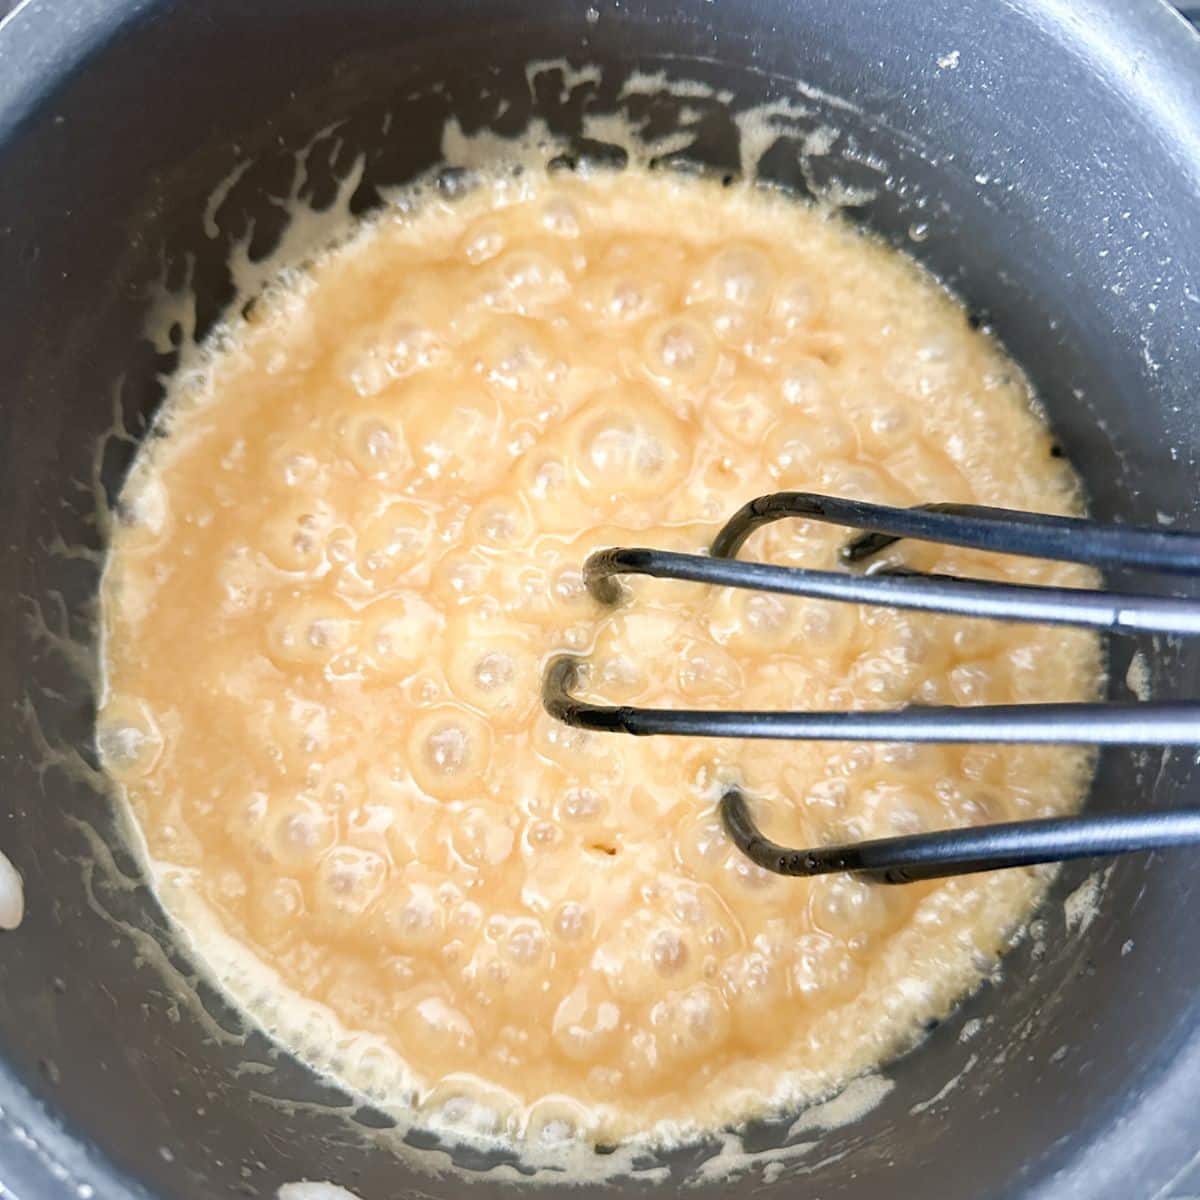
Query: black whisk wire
976,526
946,852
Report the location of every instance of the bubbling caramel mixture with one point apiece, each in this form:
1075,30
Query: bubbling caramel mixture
341,572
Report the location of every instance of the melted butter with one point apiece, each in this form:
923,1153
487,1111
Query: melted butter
345,566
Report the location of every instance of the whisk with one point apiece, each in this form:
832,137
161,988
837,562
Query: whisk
951,851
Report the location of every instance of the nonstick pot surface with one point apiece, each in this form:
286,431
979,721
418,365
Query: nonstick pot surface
1049,153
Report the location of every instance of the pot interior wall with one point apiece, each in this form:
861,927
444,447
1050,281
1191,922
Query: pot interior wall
1055,196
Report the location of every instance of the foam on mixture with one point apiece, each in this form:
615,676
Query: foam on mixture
343,568
340,574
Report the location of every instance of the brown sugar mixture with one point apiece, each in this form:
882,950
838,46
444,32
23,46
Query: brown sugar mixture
341,572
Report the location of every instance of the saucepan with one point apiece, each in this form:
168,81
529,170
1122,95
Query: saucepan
1042,157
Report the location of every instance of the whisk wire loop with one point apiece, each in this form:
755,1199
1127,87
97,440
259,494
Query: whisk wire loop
946,852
